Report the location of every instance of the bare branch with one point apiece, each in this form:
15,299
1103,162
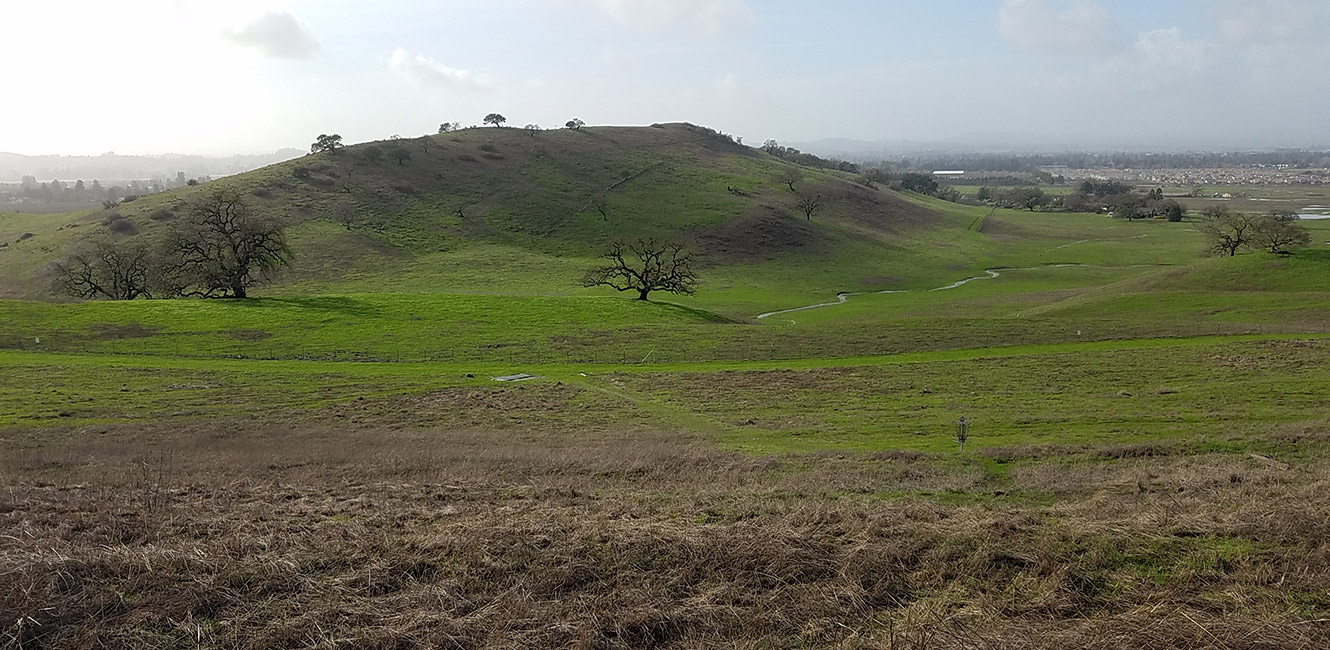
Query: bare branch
644,266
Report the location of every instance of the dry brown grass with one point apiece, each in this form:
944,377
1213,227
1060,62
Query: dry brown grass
233,535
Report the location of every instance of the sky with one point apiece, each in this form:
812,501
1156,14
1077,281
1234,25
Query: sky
252,76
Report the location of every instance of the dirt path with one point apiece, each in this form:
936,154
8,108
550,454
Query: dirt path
844,296
992,273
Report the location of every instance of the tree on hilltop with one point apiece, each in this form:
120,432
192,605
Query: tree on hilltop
328,143
644,266
495,119
575,124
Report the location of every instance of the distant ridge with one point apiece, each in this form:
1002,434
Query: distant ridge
112,167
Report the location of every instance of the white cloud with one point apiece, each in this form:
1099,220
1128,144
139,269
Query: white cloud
427,72
1070,26
713,16
276,34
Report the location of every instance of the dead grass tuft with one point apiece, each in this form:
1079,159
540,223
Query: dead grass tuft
236,534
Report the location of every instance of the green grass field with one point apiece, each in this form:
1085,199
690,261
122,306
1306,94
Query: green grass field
332,464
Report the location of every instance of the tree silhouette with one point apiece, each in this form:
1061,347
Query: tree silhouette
328,143
809,205
644,266
222,248
107,270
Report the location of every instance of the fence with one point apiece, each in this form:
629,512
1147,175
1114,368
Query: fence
699,344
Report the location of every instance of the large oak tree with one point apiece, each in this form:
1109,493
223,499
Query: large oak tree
644,266
222,248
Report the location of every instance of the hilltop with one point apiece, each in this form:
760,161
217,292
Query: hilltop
528,204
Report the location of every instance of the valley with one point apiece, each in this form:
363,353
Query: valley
769,463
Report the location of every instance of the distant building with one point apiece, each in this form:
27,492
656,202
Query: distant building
949,173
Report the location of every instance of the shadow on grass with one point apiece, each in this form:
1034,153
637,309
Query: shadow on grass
700,314
337,304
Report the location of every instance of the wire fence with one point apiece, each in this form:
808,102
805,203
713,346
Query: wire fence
743,343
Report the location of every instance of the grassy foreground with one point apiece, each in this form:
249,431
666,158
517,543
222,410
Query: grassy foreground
168,502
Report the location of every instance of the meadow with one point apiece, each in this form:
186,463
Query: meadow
332,463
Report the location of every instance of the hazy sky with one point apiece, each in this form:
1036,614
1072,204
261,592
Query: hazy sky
245,76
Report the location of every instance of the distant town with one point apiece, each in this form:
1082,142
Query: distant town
1226,176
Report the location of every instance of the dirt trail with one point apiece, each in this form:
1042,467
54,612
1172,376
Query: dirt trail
992,273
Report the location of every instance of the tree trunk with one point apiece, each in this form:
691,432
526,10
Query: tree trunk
642,294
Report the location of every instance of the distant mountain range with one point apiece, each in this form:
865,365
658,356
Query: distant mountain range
111,167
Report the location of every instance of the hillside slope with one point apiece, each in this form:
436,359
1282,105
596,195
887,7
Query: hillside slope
508,210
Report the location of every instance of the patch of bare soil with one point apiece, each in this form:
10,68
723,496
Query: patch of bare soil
109,331
764,233
876,208
1001,230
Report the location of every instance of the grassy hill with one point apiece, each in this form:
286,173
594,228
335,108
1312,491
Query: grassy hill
510,211
332,464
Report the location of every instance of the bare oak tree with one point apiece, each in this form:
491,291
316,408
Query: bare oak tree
114,271
1226,232
644,266
809,205
222,248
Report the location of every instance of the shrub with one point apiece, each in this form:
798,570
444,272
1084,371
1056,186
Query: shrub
122,226
302,172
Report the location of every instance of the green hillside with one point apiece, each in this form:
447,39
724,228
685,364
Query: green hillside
773,462
510,211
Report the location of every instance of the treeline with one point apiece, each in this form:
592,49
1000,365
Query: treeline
1117,199
1086,160
30,190
807,159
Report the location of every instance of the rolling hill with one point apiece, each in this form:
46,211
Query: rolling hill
501,210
